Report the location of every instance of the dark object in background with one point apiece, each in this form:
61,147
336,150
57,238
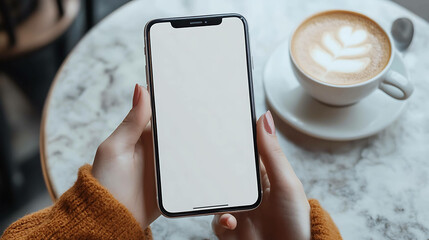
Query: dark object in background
33,73
6,189
19,9
13,12
34,40
402,32
89,9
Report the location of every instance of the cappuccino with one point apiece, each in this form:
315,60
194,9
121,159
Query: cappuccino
340,48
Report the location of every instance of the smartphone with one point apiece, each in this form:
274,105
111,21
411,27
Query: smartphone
199,74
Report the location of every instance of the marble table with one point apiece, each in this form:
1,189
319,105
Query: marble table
374,188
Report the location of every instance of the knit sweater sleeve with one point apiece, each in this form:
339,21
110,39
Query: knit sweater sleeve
86,211
322,225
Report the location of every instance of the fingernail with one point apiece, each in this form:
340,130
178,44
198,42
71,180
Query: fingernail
137,93
269,123
227,224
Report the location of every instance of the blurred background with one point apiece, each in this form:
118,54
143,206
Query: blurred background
35,38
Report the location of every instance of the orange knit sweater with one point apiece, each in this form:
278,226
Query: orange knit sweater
88,211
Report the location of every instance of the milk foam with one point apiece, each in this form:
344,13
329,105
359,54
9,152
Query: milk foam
340,47
351,44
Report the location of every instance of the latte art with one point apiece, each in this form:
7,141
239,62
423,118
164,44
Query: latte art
347,56
340,48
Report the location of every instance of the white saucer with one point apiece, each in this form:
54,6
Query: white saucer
293,105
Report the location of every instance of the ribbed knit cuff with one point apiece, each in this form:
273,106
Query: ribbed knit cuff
90,206
322,225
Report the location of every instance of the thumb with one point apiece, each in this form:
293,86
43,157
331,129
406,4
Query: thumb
223,222
278,169
131,128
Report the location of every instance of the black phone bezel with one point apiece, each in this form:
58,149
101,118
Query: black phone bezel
199,21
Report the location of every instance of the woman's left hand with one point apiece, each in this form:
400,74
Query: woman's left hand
124,162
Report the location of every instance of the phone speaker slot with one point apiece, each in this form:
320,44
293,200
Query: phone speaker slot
196,22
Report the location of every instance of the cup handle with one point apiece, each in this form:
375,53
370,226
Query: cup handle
396,86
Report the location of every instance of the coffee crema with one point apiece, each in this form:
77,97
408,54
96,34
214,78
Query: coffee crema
340,47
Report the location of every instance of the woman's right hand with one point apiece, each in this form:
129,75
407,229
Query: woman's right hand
284,212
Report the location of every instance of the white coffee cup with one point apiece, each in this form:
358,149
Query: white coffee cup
388,80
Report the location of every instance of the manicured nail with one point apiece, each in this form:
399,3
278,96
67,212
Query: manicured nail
269,123
229,223
137,93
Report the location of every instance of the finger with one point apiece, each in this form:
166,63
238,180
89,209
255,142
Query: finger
262,167
149,181
277,166
131,128
222,223
264,176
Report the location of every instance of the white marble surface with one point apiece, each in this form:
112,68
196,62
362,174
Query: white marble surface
375,188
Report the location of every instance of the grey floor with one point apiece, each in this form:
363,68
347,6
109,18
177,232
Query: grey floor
27,122
419,7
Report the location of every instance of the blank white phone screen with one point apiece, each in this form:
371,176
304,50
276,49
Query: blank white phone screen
203,116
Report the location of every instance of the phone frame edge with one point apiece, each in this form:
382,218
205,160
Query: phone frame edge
149,81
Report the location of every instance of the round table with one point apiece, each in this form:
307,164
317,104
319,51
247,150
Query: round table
373,188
